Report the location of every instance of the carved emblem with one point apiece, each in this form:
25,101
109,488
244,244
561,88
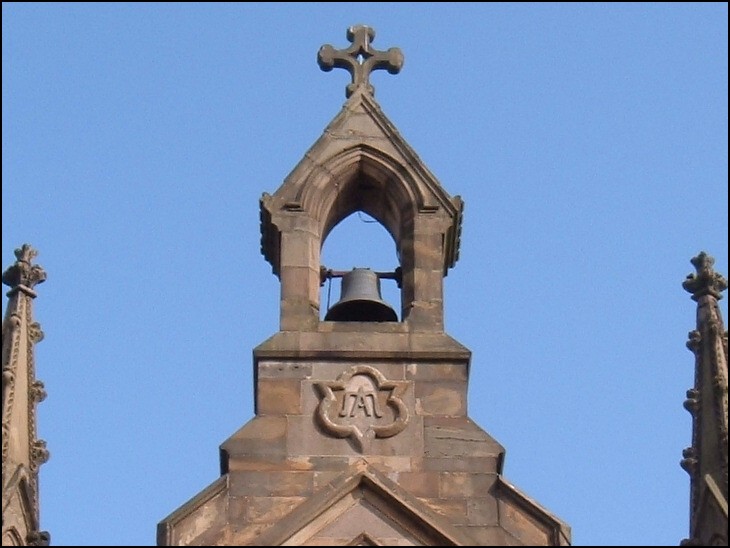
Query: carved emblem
362,405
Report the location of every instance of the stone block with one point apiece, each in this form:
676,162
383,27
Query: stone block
490,536
298,313
299,248
441,398
279,397
243,535
517,522
295,282
260,436
454,509
419,484
271,484
482,511
457,437
434,371
338,464
265,509
205,519
329,371
428,282
306,438
465,485
425,317
323,478
259,463
482,465
284,370
388,464
429,250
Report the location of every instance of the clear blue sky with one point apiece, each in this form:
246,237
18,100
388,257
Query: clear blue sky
588,141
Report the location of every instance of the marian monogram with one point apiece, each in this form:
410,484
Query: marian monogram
362,405
360,402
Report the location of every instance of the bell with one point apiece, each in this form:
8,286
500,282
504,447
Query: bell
360,300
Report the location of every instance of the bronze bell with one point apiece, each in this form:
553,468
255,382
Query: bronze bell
360,300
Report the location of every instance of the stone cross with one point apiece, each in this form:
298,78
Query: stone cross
360,59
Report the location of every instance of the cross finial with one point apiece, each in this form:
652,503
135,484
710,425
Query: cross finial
360,59
24,273
706,281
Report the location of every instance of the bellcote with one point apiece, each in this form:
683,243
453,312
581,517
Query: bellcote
361,434
361,163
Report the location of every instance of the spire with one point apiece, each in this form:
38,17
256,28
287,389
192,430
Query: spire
706,460
360,59
22,451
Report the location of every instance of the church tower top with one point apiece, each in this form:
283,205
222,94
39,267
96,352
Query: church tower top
361,435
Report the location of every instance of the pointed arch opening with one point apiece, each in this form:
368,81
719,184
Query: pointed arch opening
359,241
402,197
365,211
362,179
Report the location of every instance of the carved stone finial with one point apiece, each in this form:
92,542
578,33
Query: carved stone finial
39,538
694,338
23,274
360,59
37,391
689,460
706,281
692,403
39,454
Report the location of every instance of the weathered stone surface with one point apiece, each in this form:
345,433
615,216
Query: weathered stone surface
268,509
463,485
386,342
435,371
203,516
259,436
325,371
454,509
528,530
490,536
271,484
449,437
278,397
419,484
483,510
305,437
482,465
441,398
284,370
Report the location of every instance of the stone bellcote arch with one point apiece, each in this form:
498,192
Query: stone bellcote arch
361,163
